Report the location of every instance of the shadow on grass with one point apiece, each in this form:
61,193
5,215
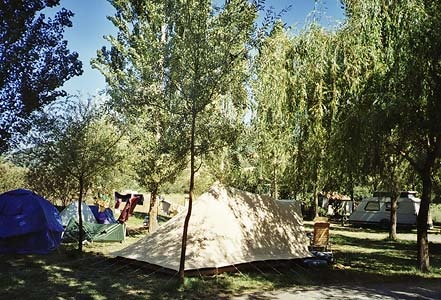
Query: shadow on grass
383,256
66,274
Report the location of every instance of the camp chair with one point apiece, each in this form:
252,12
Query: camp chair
320,237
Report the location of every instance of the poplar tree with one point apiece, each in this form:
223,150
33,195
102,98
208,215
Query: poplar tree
136,71
182,66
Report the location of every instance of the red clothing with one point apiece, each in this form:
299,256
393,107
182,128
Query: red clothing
118,203
128,209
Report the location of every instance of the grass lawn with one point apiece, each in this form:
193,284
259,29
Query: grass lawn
362,256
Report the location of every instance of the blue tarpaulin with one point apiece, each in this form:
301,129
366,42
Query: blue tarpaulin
28,223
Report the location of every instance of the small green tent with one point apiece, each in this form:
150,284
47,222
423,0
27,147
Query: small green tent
95,232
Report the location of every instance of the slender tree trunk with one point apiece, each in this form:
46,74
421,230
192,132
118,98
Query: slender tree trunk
351,187
190,197
393,215
80,216
275,190
395,190
351,193
423,214
318,185
153,210
316,205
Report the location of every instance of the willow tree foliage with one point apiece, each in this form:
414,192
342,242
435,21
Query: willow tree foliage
398,87
312,108
296,107
360,152
271,112
416,109
180,60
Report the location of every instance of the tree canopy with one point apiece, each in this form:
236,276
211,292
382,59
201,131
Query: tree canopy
34,62
75,146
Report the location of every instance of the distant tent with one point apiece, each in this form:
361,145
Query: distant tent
71,211
98,226
95,232
335,204
28,223
228,228
103,217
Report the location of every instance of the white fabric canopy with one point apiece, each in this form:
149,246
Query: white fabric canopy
227,227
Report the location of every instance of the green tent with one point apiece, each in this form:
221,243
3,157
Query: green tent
95,232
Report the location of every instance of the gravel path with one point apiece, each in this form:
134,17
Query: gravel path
429,290
378,291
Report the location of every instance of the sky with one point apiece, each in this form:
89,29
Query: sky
90,25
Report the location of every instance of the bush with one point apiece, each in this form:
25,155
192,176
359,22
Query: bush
11,176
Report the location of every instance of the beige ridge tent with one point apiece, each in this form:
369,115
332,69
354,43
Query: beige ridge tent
228,228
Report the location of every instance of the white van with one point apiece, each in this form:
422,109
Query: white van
376,210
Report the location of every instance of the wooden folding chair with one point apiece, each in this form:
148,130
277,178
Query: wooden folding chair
320,237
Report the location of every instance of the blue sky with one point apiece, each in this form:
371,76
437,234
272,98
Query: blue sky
90,25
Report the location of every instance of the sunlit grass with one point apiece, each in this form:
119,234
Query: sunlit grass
383,257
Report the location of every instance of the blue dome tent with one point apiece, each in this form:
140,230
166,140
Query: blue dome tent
104,217
28,223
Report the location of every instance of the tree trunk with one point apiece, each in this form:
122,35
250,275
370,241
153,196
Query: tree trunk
153,210
395,194
317,184
423,215
190,197
275,190
351,187
316,203
351,193
393,215
80,216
